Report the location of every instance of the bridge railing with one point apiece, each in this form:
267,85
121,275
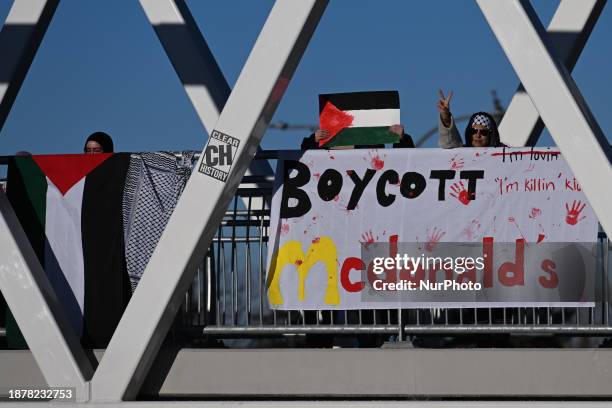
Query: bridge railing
227,298
228,295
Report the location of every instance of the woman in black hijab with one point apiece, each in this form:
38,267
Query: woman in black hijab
98,142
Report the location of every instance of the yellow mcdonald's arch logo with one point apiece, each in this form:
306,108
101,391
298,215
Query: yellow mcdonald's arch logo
323,250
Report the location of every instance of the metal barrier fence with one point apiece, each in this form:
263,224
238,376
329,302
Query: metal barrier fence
228,295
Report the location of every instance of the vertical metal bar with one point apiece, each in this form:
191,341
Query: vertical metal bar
262,288
234,258
186,309
606,280
212,294
200,290
562,315
401,334
248,264
223,275
219,291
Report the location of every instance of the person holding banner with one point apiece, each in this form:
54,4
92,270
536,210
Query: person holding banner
481,130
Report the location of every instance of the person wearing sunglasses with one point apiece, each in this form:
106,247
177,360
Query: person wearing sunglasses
481,130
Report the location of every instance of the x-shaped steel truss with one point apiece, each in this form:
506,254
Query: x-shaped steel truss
568,31
245,115
556,97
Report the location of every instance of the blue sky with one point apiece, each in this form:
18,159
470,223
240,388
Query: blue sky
101,67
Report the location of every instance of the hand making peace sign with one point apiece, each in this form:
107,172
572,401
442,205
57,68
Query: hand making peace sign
444,107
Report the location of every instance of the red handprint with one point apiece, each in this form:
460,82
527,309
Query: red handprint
471,229
456,162
376,161
460,193
367,239
433,238
574,212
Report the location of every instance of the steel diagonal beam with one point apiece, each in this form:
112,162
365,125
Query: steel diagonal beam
569,30
557,99
23,282
194,64
37,309
190,230
21,35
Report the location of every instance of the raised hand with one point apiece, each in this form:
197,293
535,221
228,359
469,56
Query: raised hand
321,134
397,129
444,107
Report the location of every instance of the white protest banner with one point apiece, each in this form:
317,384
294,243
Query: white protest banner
331,207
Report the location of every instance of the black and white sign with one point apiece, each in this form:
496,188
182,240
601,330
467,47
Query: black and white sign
219,155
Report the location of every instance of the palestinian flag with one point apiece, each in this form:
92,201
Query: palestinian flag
359,118
70,207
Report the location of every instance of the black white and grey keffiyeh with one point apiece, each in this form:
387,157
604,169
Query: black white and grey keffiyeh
153,186
482,120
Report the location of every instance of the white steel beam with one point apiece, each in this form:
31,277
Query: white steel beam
194,64
569,30
190,230
23,282
21,35
37,310
557,99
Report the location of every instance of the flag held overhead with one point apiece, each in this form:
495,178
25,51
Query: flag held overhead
359,118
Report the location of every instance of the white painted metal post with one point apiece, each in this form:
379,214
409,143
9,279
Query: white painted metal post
194,64
569,30
557,99
200,209
20,38
37,310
